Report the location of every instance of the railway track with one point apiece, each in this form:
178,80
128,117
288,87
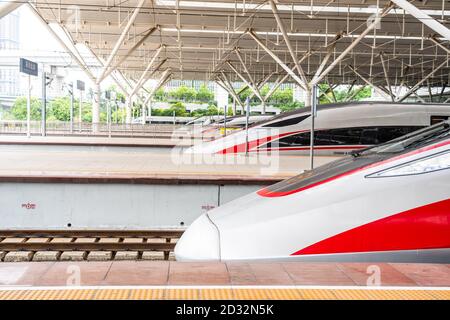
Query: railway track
91,245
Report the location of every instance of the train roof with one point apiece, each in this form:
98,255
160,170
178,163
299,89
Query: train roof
346,105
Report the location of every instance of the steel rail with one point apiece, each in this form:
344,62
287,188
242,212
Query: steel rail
94,246
90,234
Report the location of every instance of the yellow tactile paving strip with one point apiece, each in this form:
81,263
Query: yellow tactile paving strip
226,294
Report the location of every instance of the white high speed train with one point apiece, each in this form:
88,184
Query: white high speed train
338,128
386,203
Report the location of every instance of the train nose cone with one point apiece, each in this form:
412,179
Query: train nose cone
199,242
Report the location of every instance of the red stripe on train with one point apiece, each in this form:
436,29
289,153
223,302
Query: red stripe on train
239,148
347,147
426,227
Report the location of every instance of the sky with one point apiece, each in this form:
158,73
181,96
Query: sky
35,39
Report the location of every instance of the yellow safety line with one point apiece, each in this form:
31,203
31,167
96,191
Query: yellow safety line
226,294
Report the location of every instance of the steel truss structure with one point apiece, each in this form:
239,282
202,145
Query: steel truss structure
381,43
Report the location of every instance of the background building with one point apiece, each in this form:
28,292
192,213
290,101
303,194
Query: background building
9,40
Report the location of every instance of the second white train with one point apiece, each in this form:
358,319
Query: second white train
338,128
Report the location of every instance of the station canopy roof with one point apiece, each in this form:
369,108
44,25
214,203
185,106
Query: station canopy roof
199,38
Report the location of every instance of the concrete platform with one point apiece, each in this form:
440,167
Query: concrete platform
43,186
53,164
92,141
233,280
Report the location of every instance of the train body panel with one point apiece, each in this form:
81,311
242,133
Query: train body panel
353,209
338,128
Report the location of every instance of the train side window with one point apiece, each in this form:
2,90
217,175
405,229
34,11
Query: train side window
301,139
369,136
287,122
344,136
437,119
386,134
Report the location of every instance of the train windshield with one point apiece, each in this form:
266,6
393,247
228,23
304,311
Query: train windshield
410,141
361,159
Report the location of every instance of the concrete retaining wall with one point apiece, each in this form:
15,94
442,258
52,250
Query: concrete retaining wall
91,206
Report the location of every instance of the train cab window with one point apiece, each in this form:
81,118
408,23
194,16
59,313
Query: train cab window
287,122
437,119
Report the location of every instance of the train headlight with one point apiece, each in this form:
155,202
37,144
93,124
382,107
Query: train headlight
440,161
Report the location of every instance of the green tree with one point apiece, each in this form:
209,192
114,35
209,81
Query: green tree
212,110
291,106
179,109
204,94
119,94
183,93
118,115
199,113
326,95
19,109
282,96
160,95
59,108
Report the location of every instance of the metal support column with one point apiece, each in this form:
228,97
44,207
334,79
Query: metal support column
80,112
313,101
96,108
128,107
143,120
29,108
247,115
44,103
71,106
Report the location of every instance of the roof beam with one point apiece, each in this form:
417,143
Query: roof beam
277,84
120,41
380,92
163,79
369,28
130,52
386,76
413,89
9,6
144,77
424,18
81,63
252,85
277,59
288,42
226,84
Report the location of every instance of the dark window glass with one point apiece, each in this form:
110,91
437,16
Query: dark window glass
437,119
321,173
344,136
287,122
301,139
386,134
369,136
